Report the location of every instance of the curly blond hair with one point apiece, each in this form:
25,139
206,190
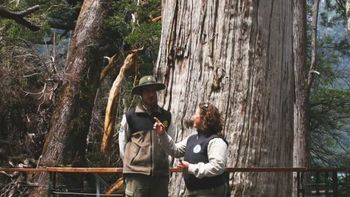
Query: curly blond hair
212,121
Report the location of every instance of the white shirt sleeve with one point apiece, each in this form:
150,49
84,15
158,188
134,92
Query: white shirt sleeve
123,134
217,156
168,144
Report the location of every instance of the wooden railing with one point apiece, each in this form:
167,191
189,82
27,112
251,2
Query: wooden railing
311,181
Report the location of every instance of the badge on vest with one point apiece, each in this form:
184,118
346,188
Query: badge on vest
165,123
197,148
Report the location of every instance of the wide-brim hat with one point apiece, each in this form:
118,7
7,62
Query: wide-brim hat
147,81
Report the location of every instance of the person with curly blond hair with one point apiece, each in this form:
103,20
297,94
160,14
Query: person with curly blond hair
205,153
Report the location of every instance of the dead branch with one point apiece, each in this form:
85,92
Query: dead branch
18,17
41,92
117,187
45,94
114,93
156,19
111,62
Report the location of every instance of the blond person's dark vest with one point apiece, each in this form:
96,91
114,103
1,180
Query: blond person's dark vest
197,151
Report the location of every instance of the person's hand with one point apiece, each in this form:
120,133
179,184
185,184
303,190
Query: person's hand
158,127
183,165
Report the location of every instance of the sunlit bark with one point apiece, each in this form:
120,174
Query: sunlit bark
239,56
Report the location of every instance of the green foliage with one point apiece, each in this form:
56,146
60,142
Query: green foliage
330,116
145,35
123,33
134,33
49,10
329,101
330,109
130,27
338,6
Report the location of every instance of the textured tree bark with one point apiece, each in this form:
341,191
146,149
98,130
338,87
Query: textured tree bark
66,140
348,17
301,157
239,56
313,64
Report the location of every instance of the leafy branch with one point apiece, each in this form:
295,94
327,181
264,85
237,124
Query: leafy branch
18,17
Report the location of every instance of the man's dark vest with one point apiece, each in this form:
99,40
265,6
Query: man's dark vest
197,151
143,153
144,121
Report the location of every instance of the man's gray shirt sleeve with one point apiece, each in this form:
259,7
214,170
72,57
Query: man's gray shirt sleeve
168,144
123,135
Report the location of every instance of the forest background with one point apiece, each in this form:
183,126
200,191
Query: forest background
33,57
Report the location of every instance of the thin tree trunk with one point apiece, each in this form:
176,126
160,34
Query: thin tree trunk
239,56
66,141
313,65
348,17
301,118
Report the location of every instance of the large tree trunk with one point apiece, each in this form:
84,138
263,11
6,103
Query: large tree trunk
239,56
301,150
348,17
66,140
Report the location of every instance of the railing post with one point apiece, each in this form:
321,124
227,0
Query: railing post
335,184
302,182
317,186
49,187
51,184
97,187
326,181
298,184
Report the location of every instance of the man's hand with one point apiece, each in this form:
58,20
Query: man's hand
158,127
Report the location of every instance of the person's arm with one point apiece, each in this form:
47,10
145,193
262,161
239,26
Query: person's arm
123,135
217,155
168,144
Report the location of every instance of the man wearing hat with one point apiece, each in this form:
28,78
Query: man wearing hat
145,164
